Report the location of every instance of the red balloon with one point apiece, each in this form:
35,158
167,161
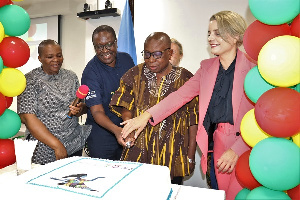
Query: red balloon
251,59
294,193
244,174
258,34
7,153
14,51
277,112
4,2
295,27
9,101
3,104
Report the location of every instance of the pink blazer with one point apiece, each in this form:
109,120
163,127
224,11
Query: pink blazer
202,84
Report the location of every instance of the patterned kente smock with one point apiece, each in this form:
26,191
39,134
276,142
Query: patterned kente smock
49,97
166,143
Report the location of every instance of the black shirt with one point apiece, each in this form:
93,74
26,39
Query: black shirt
220,106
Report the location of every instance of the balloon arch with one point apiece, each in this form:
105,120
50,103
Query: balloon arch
14,52
271,169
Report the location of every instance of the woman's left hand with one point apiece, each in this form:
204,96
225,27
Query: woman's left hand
76,110
227,161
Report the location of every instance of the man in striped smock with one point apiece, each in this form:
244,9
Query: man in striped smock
172,142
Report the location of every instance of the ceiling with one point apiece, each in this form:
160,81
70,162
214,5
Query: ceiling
26,2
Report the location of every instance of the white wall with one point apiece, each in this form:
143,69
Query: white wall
184,20
187,21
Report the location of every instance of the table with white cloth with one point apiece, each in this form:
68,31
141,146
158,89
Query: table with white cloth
180,192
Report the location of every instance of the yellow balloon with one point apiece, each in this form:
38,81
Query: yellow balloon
2,34
12,82
279,62
250,130
296,139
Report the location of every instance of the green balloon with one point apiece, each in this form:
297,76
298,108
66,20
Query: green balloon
242,194
10,124
296,87
14,19
274,12
260,193
255,85
275,163
1,64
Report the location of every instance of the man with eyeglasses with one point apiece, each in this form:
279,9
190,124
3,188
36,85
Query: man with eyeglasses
171,143
102,75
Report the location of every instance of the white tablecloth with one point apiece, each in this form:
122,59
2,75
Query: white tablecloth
181,192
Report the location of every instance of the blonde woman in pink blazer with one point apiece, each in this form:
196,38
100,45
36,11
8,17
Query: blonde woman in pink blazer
222,101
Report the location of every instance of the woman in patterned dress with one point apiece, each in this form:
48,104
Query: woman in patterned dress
44,105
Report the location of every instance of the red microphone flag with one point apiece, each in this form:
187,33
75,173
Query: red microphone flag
80,94
82,91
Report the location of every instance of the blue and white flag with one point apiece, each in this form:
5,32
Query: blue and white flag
126,41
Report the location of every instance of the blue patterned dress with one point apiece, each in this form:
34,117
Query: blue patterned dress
49,97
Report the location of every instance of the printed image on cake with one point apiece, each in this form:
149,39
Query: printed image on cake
91,178
76,181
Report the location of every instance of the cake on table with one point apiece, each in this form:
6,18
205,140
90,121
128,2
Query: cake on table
90,178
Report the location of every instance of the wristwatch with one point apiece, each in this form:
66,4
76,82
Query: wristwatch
191,161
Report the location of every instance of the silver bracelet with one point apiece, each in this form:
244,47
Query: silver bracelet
191,161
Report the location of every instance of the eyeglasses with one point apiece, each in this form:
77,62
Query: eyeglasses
155,54
107,46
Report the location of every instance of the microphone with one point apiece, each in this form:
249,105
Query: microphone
80,94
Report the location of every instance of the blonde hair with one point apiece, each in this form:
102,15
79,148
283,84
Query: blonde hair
173,40
230,24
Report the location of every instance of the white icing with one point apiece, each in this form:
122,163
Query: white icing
95,179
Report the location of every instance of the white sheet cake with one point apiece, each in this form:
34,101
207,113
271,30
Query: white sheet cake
88,178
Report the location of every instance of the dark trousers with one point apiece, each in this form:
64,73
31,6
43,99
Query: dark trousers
177,180
211,175
77,153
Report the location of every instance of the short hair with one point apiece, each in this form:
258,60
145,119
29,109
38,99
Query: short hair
104,28
159,36
173,40
230,23
45,43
